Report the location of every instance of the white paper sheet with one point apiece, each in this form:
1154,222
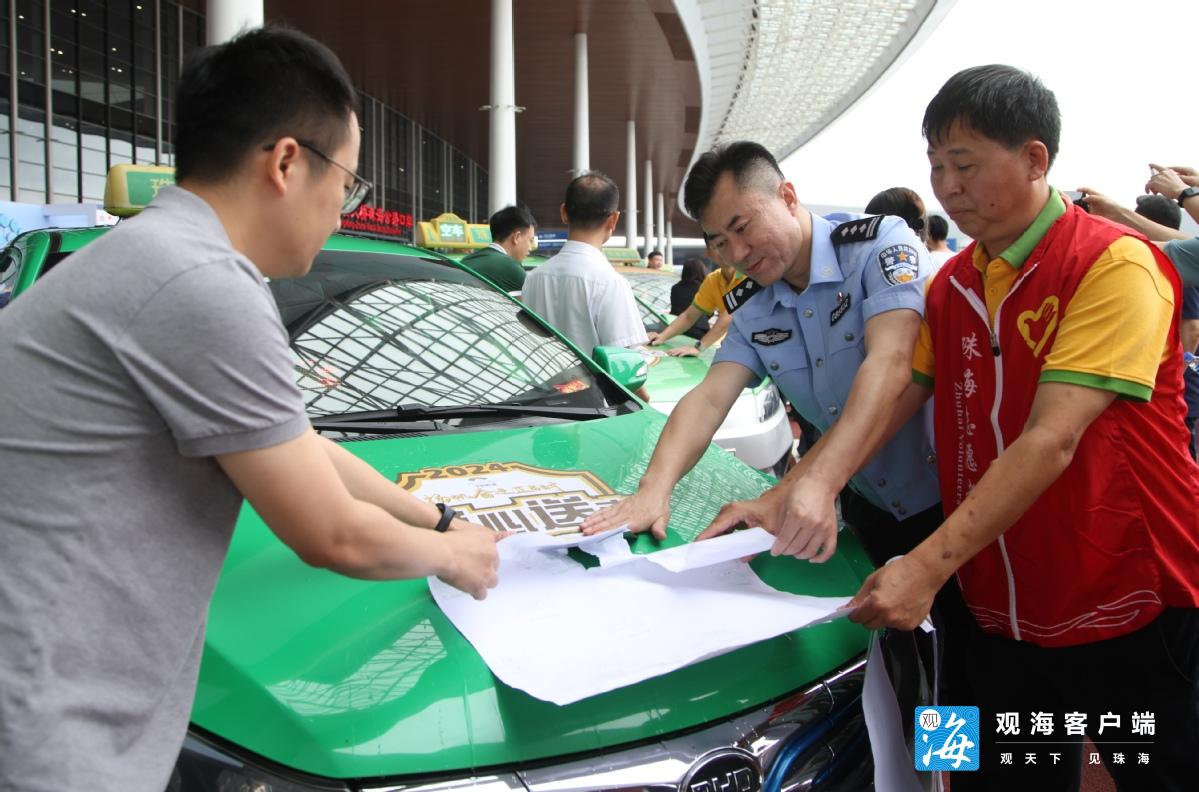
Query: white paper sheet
894,765
562,633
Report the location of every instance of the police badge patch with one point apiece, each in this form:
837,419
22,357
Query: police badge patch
899,264
771,337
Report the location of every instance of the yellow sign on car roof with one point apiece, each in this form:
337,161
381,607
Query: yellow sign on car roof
130,187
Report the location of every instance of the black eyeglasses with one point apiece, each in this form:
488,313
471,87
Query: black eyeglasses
355,193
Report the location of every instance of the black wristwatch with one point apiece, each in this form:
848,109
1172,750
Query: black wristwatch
447,514
1187,193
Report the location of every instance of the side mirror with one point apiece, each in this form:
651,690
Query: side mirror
626,366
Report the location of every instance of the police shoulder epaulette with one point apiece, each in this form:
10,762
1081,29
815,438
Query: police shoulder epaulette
861,230
735,297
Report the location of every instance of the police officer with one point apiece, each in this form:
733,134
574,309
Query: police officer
830,311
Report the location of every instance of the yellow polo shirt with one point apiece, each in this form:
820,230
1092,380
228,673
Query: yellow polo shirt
1113,334
709,297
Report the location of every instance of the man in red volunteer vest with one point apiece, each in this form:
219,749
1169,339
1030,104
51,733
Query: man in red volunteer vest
1051,346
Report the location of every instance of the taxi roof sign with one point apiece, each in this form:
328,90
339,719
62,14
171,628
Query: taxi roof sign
623,255
450,232
130,187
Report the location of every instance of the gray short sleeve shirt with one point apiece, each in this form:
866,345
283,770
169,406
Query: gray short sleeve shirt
126,368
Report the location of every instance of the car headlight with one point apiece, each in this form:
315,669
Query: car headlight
205,767
769,403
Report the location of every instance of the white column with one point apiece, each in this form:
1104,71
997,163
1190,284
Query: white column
649,207
582,147
669,244
661,224
502,159
227,18
630,186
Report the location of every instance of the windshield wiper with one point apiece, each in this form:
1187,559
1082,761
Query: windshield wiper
416,412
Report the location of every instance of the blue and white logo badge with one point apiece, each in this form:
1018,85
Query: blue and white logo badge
946,738
899,264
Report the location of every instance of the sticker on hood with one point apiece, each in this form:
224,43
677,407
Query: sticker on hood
512,496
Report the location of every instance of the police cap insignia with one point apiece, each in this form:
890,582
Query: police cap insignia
899,264
861,230
737,296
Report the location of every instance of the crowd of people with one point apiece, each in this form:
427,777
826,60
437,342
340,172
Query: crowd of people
1046,518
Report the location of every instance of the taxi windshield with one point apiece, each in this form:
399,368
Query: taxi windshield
378,332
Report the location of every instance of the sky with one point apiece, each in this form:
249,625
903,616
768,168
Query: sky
1125,75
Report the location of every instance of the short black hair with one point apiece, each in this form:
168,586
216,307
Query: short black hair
899,202
1003,103
1160,210
266,83
653,253
938,228
750,163
590,198
508,221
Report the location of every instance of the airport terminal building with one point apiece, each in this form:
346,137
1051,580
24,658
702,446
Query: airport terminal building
466,105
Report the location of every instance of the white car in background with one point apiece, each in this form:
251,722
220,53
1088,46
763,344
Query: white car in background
756,428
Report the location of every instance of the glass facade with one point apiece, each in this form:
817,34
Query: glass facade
94,83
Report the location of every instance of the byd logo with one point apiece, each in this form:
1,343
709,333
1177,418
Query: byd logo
729,770
742,780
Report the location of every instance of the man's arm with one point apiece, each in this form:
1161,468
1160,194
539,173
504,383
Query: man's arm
681,324
717,331
297,490
901,593
686,436
366,484
1167,182
1103,206
802,512
772,509
715,334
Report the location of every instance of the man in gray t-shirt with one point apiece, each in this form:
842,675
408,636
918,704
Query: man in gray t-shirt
148,389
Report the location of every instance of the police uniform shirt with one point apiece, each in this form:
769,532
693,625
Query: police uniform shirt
812,343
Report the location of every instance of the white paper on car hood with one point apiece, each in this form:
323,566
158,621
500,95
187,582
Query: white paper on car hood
562,633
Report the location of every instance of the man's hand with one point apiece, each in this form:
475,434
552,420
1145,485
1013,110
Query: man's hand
1100,204
802,516
685,351
653,337
898,595
474,562
1187,174
1165,181
643,511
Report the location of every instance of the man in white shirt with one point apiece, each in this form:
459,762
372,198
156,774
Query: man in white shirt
577,291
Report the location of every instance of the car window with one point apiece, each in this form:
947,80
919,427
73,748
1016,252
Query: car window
372,332
654,290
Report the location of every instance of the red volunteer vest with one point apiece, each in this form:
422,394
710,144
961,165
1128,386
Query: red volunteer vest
1116,538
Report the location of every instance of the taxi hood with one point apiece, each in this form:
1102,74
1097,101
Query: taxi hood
353,679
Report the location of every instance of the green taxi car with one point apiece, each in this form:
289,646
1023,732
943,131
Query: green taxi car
312,681
756,429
